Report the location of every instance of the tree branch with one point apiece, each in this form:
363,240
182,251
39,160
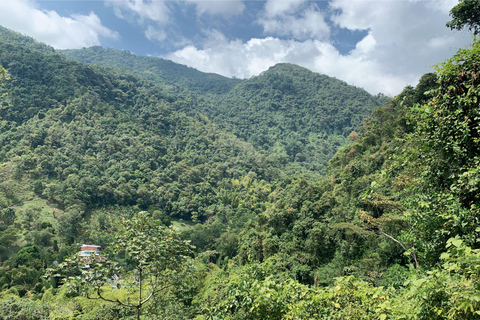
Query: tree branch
414,256
99,293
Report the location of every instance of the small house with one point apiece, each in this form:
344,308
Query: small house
87,252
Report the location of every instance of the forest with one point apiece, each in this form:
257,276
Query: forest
289,195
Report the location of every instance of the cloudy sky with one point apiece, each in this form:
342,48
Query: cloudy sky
379,45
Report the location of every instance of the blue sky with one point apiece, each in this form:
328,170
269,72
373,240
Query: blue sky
379,45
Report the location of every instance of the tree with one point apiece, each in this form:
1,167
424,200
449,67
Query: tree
446,157
3,77
466,14
8,236
154,256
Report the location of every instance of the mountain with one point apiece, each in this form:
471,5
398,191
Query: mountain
156,69
293,112
298,115
391,230
82,137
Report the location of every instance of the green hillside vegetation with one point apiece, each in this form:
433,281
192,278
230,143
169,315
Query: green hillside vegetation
12,37
155,69
297,115
82,149
93,155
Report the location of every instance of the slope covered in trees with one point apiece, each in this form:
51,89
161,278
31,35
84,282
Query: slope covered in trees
12,37
391,232
289,111
155,69
76,141
294,113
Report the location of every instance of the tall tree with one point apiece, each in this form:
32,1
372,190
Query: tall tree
3,76
157,258
466,14
447,157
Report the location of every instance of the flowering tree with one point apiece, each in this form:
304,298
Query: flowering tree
157,260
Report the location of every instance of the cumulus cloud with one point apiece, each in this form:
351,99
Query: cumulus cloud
294,18
404,39
76,31
275,8
239,59
153,15
411,35
142,10
226,8
308,24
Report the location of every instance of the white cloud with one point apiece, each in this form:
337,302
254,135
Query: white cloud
407,33
293,18
443,5
308,24
405,38
76,31
279,7
153,15
143,10
245,59
226,8
153,33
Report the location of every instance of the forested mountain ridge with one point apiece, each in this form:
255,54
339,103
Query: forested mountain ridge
16,38
289,111
155,69
390,232
81,138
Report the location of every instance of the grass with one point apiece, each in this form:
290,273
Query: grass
181,225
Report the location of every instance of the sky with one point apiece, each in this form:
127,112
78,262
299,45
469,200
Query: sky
378,45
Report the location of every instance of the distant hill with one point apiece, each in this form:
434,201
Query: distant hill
297,115
293,114
291,111
13,37
156,69
82,137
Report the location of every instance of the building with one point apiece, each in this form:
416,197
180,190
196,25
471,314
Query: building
87,251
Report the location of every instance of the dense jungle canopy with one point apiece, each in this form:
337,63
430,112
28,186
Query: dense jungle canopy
290,195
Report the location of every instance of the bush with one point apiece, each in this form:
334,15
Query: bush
23,309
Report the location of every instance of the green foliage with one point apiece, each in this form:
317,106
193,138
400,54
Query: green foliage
445,155
10,36
27,254
8,236
3,75
107,312
155,257
23,309
466,14
252,292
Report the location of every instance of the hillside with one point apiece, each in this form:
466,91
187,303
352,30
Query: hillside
293,112
103,156
161,71
16,38
297,115
80,138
